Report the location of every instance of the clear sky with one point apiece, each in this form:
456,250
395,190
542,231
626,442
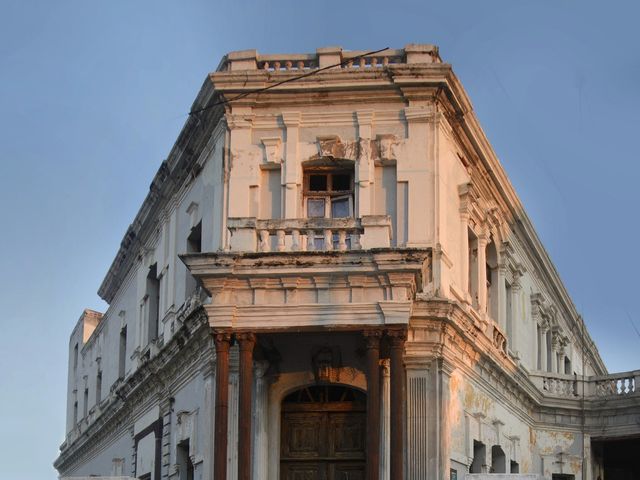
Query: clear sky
93,95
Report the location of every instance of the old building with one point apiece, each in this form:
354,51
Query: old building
332,278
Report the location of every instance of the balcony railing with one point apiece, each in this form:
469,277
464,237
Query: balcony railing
615,385
309,234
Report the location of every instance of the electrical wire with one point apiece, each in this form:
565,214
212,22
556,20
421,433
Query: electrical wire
288,80
633,324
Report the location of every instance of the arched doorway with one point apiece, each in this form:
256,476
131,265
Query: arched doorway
323,434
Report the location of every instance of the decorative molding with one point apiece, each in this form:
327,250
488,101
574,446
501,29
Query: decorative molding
272,152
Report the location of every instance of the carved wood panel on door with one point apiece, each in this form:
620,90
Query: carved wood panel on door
323,434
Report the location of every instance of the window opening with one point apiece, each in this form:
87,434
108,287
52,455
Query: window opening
194,245
75,357
122,352
329,193
341,182
498,460
185,465
318,183
153,302
341,207
98,387
194,240
316,208
539,337
548,350
509,312
85,405
479,458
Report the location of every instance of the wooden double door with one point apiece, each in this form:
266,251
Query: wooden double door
323,434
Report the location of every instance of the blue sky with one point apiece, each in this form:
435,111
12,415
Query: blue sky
93,94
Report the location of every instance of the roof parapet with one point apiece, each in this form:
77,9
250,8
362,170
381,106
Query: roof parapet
412,53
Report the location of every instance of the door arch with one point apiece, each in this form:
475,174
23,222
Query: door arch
323,433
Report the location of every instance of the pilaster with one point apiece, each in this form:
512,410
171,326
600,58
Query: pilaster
385,376
555,346
232,428
467,197
221,438
482,272
421,410
372,339
502,294
290,172
166,409
364,169
240,125
542,339
516,312
418,172
260,415
247,343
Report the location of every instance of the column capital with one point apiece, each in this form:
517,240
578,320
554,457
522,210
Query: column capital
397,337
246,340
372,337
222,340
483,237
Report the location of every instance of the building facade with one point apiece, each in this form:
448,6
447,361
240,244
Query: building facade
332,278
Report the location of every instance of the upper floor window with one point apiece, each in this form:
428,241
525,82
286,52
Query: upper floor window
75,357
328,192
152,302
122,352
194,245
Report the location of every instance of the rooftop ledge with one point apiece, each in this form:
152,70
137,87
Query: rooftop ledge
412,53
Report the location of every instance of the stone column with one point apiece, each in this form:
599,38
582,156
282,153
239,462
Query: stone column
554,352
247,342
223,341
385,445
260,414
543,348
464,254
516,313
397,339
502,294
482,273
232,429
372,338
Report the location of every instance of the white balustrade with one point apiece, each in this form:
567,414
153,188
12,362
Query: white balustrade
348,59
564,387
617,384
306,234
613,385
